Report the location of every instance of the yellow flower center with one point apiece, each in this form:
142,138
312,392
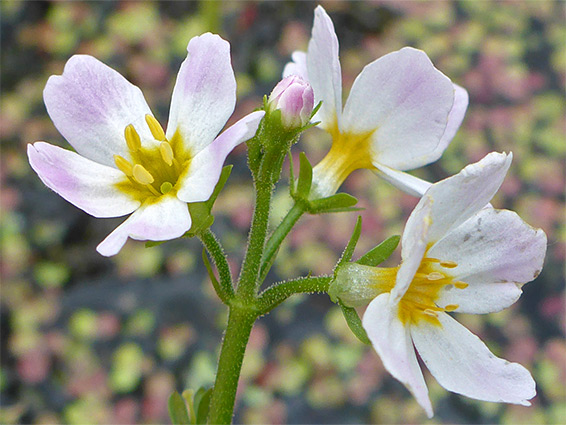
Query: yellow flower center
152,172
419,302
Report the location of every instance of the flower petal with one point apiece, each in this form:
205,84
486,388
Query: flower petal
205,168
494,250
455,118
463,364
402,181
414,245
392,341
405,101
91,105
298,66
84,183
324,72
167,219
205,92
459,197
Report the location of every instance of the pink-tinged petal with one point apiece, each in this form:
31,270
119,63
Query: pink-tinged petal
392,341
455,119
84,183
414,245
406,102
205,168
298,66
494,250
463,364
205,92
459,197
160,221
91,105
402,181
324,72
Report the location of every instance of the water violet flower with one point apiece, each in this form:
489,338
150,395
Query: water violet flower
295,99
125,162
457,256
401,112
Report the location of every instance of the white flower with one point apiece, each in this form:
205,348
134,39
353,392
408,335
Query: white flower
458,255
401,112
125,163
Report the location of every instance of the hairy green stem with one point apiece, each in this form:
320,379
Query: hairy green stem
278,235
276,294
224,288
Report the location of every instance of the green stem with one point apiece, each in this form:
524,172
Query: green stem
240,323
224,288
278,236
276,294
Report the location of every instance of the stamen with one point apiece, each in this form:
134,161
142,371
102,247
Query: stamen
461,285
132,138
123,165
448,264
435,276
451,307
166,153
155,127
141,175
430,312
166,187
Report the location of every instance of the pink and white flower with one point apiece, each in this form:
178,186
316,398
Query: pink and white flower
295,99
457,256
124,161
401,112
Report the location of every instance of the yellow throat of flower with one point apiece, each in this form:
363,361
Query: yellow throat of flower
152,172
420,301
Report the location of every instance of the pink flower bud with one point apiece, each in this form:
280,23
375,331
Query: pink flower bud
295,98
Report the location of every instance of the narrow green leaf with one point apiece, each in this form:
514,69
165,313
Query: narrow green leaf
335,203
178,410
188,395
349,250
305,177
208,266
380,253
354,323
202,404
291,175
151,244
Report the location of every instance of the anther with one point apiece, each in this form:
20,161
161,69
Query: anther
448,264
166,153
461,285
451,307
155,127
435,276
141,175
165,187
123,165
430,312
132,138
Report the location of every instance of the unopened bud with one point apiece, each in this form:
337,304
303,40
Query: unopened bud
294,97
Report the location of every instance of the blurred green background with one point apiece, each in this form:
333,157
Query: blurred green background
86,339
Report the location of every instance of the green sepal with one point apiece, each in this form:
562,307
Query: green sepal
349,250
202,404
380,253
354,323
340,202
224,175
178,410
303,186
209,269
151,244
315,110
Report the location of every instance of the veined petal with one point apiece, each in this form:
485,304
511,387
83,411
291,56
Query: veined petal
298,66
166,219
91,105
392,341
205,92
463,364
84,183
401,180
324,72
206,166
455,119
406,102
494,251
459,197
414,245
